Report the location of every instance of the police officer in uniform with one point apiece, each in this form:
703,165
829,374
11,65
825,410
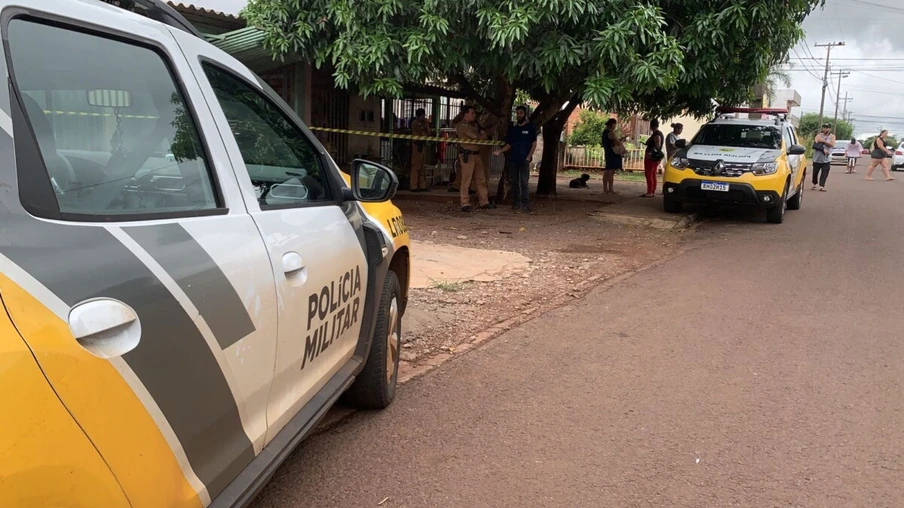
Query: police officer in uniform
472,167
419,127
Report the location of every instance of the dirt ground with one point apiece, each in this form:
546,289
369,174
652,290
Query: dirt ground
570,253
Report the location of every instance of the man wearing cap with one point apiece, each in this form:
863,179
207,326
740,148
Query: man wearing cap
822,156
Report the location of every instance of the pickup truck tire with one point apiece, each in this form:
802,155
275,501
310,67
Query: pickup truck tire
670,205
375,386
776,214
795,202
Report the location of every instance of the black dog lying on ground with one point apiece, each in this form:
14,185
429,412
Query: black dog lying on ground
579,183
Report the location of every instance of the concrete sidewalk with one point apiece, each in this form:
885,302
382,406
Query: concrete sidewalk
626,207
435,264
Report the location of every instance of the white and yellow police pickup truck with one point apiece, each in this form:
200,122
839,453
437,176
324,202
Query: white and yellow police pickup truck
188,281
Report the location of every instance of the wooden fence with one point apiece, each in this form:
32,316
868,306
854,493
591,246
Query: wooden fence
591,157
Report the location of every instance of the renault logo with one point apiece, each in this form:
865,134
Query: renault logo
719,167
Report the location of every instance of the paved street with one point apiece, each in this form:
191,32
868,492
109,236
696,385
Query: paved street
761,367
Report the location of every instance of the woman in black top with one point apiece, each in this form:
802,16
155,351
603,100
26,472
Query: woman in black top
879,156
614,159
652,157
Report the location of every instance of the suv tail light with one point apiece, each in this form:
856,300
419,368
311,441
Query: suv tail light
899,152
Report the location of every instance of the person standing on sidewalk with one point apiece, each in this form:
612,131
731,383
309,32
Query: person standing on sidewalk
472,168
520,144
822,156
673,138
653,155
419,127
853,152
614,151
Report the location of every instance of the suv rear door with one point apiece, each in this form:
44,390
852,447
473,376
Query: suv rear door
315,238
124,226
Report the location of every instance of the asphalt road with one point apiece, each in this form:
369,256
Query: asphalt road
763,367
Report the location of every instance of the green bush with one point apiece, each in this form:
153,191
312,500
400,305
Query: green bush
589,130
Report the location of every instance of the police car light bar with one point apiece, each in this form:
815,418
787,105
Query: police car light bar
763,111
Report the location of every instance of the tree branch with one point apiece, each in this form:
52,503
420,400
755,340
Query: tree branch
469,89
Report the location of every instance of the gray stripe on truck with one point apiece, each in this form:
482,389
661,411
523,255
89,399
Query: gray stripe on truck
200,278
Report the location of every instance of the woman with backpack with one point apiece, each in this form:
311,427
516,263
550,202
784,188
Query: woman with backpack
653,155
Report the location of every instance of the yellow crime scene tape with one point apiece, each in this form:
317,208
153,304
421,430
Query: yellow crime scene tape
406,136
321,129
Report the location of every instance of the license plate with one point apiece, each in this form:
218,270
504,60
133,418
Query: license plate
714,186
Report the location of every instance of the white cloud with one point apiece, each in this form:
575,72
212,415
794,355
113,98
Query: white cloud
873,53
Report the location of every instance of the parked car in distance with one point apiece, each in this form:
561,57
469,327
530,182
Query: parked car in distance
839,155
897,161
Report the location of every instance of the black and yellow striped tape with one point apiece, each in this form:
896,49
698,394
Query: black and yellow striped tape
321,129
404,136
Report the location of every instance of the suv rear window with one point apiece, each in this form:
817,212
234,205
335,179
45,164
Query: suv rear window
740,136
113,129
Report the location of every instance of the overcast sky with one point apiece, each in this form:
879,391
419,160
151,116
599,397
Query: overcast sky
873,33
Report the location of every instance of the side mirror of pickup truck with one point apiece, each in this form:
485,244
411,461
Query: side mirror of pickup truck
681,143
372,182
797,150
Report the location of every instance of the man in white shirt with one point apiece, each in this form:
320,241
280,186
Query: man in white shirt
853,151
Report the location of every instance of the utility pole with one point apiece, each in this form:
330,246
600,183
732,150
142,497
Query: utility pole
825,77
841,75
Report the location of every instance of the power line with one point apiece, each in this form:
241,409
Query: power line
874,4
879,77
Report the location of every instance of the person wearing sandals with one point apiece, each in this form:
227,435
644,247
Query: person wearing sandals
852,151
614,151
822,156
879,156
652,157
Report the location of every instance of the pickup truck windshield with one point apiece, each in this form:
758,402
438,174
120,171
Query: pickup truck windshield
740,136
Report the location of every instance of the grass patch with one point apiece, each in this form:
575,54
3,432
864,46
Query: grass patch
447,287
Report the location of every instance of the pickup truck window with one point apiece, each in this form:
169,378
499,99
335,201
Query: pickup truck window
283,164
114,131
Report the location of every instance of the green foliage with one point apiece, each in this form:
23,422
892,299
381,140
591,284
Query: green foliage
663,57
890,141
589,129
809,126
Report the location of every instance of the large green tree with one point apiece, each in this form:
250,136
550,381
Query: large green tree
809,126
660,57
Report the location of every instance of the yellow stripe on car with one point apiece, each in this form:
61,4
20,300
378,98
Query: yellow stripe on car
105,407
45,458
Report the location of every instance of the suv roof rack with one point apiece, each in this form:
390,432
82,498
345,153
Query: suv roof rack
725,112
158,10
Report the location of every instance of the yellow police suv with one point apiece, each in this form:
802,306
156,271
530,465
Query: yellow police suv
188,282
740,162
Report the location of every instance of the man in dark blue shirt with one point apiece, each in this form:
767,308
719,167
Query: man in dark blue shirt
520,144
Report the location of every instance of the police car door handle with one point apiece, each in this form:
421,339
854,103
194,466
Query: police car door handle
292,263
106,328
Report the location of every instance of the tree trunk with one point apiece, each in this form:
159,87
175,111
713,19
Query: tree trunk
552,133
549,164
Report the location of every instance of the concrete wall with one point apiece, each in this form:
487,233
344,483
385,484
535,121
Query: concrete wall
363,146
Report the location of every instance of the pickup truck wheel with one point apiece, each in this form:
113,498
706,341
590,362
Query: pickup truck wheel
375,386
776,214
670,205
798,199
